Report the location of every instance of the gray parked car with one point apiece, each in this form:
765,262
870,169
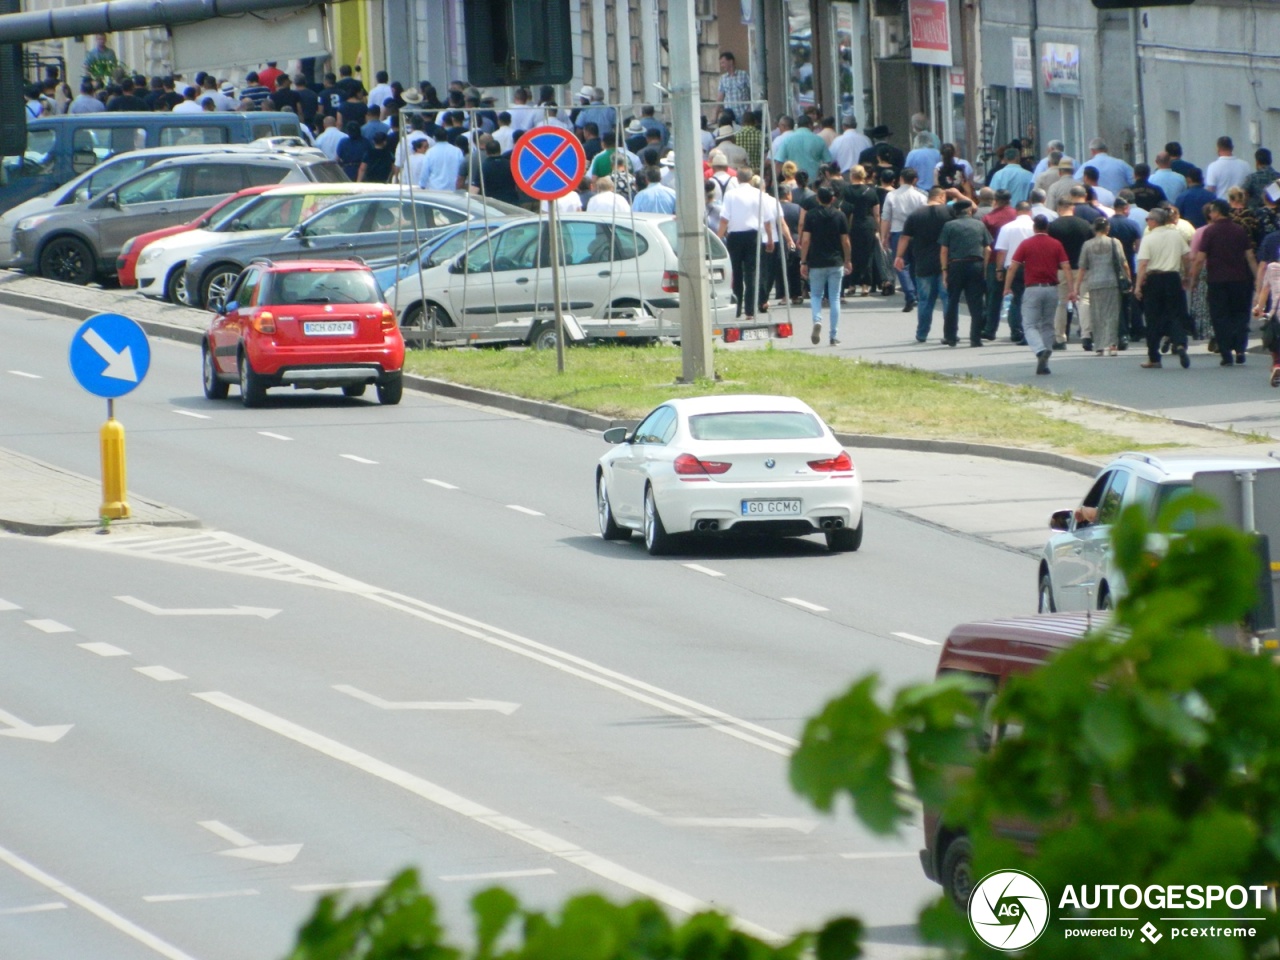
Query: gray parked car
78,242
377,229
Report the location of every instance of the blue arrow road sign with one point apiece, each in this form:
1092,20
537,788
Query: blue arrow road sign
110,355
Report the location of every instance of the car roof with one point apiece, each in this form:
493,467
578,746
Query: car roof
299,266
1034,637
730,403
355,189
1180,469
251,157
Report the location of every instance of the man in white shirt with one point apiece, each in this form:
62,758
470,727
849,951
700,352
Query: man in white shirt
404,149
1007,242
1048,163
847,147
523,116
606,199
899,204
506,133
329,139
740,224
417,171
381,93
443,167
1227,171
189,105
1038,208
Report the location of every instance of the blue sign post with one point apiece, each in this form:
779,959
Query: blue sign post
109,357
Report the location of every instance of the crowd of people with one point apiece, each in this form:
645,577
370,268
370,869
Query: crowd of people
814,208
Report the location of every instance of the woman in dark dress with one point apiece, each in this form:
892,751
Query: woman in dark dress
861,204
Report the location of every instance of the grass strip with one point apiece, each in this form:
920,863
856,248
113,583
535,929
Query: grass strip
851,395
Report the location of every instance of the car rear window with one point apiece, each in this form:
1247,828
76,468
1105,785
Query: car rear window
755,425
327,172
324,286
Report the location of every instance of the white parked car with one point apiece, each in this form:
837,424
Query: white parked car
734,464
161,269
620,279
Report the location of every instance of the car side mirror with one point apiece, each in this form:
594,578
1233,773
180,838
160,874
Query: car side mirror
1061,519
616,435
225,308
112,199
459,265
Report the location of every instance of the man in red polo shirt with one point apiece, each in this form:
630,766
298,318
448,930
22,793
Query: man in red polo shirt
1041,257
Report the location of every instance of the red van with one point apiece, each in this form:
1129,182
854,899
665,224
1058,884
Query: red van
991,652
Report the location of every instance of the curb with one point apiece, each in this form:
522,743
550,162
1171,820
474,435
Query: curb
71,311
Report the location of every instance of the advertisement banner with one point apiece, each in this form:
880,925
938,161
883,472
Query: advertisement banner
1023,68
1060,68
930,32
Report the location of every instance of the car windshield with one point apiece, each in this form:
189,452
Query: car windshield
715,246
324,286
272,212
755,425
228,210
452,245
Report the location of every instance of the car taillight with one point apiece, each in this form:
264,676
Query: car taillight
834,465
670,281
785,330
732,335
388,319
688,465
265,322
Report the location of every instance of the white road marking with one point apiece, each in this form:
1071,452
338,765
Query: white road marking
104,649
29,376
266,613
448,800
273,436
34,908
470,704
179,897
763,822
498,875
519,509
805,604
50,626
882,855
247,849
633,807
925,640
352,456
192,413
330,887
105,914
21,730
439,483
6,605
163,674
698,568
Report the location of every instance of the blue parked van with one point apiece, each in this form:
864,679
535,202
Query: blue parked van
60,148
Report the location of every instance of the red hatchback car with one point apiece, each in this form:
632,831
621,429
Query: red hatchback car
303,323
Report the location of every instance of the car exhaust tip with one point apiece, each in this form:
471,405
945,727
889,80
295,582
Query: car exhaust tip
706,526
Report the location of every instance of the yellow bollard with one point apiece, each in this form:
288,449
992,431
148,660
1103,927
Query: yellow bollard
114,506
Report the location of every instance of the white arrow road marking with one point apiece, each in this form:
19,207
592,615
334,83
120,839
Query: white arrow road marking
925,640
249,850
50,626
763,822
119,365
470,704
22,730
29,376
266,613
103,913
476,812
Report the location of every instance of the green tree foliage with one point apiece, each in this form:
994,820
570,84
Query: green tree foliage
1148,753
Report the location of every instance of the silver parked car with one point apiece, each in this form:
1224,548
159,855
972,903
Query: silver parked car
78,242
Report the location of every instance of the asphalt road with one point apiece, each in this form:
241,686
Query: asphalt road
431,553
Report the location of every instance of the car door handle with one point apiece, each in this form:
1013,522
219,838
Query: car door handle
603,273
522,279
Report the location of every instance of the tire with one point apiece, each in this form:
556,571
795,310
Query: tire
253,390
68,259
217,282
354,390
214,389
845,540
656,538
956,872
1046,604
604,514
544,338
391,390
176,291
420,318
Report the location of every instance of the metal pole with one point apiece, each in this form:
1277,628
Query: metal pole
1139,104
695,326
553,216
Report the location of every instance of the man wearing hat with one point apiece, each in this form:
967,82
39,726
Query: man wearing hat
880,137
636,135
727,144
721,176
603,117
1061,187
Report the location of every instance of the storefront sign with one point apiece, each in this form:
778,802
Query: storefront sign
930,32
957,79
1060,67
1023,69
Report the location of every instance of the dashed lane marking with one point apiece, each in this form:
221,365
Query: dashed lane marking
335,887
804,604
192,413
6,605
163,674
29,376
924,640
498,875
50,626
698,568
273,436
353,457
179,897
104,649
439,483
525,510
